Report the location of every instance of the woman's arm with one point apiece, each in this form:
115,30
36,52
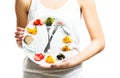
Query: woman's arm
94,28
97,38
21,9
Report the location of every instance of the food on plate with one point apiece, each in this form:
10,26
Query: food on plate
42,29
49,21
50,59
28,39
32,31
67,39
38,22
38,57
66,48
60,56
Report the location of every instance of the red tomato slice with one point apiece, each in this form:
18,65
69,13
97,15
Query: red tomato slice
40,56
37,58
37,22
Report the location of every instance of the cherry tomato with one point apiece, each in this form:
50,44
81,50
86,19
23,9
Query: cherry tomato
38,22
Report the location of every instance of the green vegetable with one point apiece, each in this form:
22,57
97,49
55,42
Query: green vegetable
49,21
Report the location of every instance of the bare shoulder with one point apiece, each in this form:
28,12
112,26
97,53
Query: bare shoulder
23,4
22,10
87,3
20,3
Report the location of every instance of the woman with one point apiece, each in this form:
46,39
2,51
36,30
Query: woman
26,10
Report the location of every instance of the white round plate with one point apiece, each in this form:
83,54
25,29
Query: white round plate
36,39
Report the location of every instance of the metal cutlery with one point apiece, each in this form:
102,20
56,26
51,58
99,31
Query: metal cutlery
49,41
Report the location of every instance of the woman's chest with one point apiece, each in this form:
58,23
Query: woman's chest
52,4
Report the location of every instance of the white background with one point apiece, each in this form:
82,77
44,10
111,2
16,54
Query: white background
104,65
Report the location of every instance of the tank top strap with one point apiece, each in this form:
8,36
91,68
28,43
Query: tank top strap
33,5
33,9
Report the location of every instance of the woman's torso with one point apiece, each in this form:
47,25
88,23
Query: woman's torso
71,12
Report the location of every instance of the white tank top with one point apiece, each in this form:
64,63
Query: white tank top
70,10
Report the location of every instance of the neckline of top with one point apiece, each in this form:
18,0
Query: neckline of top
52,9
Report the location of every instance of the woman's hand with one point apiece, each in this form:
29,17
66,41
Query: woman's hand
19,35
71,62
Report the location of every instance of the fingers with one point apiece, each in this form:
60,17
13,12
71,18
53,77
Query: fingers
63,64
19,34
20,29
56,65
